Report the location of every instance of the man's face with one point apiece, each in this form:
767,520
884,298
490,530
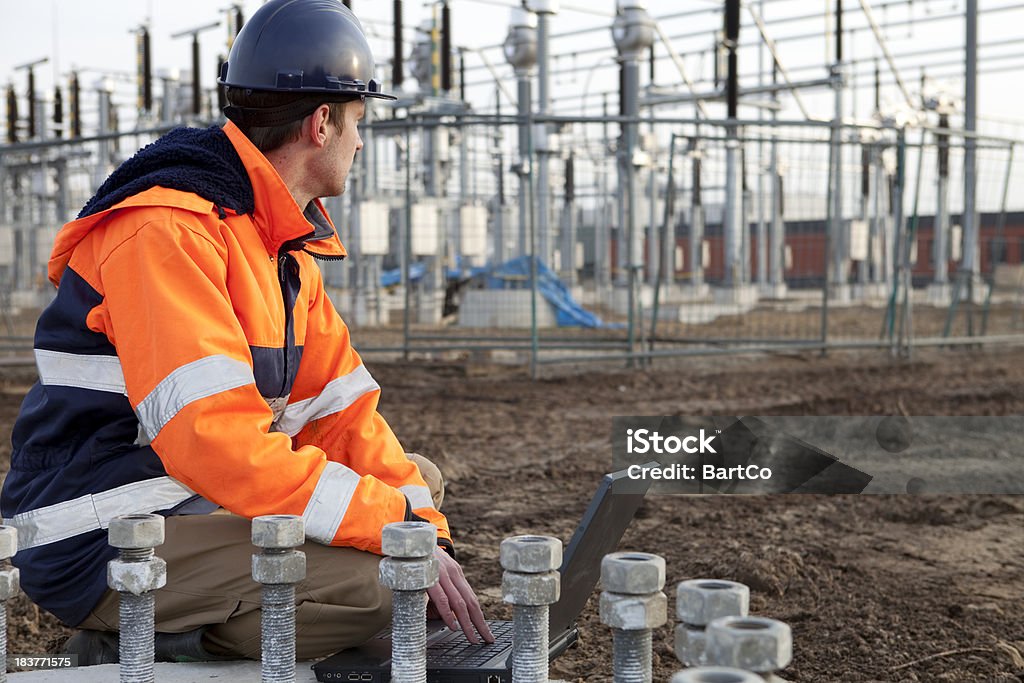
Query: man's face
340,150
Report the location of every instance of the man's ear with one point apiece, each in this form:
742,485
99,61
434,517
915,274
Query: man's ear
319,121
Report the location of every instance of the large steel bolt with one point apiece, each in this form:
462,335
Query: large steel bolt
632,604
755,644
278,567
698,603
716,674
135,574
9,587
531,584
409,570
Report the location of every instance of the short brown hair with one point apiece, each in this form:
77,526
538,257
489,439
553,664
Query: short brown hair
268,138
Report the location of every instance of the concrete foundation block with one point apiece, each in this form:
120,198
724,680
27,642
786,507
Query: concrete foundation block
427,308
503,308
840,293
872,292
774,292
690,292
737,295
620,298
939,294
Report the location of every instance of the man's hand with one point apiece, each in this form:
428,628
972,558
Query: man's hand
456,603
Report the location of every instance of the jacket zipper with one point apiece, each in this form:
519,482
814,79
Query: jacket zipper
323,257
282,278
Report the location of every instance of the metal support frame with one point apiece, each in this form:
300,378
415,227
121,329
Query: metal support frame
541,143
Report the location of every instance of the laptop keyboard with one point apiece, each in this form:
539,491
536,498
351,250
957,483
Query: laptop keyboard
457,651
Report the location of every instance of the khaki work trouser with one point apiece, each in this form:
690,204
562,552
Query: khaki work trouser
209,583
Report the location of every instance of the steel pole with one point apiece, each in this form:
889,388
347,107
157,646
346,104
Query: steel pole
103,159
734,270
602,240
696,223
839,245
499,178
355,238
762,233
969,265
631,78
879,220
941,228
652,220
668,236
541,143
777,258
465,198
523,82
863,274
569,225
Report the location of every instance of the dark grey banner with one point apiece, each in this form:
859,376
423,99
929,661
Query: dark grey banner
762,454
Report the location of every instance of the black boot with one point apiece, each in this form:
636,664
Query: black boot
101,647
185,647
92,647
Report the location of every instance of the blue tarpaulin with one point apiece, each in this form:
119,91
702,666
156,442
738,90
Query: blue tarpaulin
569,313
515,274
390,278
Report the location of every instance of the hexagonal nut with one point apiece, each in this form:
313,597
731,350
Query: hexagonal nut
691,645
530,554
519,588
10,583
279,568
136,577
701,601
716,674
409,574
136,531
408,539
632,573
8,542
278,531
633,612
750,643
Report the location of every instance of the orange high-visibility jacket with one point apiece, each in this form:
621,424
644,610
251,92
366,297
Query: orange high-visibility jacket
203,342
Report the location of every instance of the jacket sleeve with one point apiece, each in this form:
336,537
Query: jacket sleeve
333,406
189,377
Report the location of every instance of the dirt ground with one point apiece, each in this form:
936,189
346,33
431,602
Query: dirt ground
876,588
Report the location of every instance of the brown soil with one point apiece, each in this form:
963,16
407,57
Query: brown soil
876,588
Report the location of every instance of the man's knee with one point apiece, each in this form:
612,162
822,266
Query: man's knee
432,475
340,604
324,628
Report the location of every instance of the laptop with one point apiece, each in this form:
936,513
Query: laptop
453,659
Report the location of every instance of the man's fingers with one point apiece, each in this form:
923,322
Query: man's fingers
475,612
440,602
458,605
456,602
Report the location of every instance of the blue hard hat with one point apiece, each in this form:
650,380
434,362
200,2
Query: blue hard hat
303,46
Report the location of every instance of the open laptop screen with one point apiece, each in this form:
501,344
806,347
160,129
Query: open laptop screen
605,521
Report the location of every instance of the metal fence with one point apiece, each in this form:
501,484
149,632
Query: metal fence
479,235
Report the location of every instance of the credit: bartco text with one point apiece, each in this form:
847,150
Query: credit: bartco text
707,472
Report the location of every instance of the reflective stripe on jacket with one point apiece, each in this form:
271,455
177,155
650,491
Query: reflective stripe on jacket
191,359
